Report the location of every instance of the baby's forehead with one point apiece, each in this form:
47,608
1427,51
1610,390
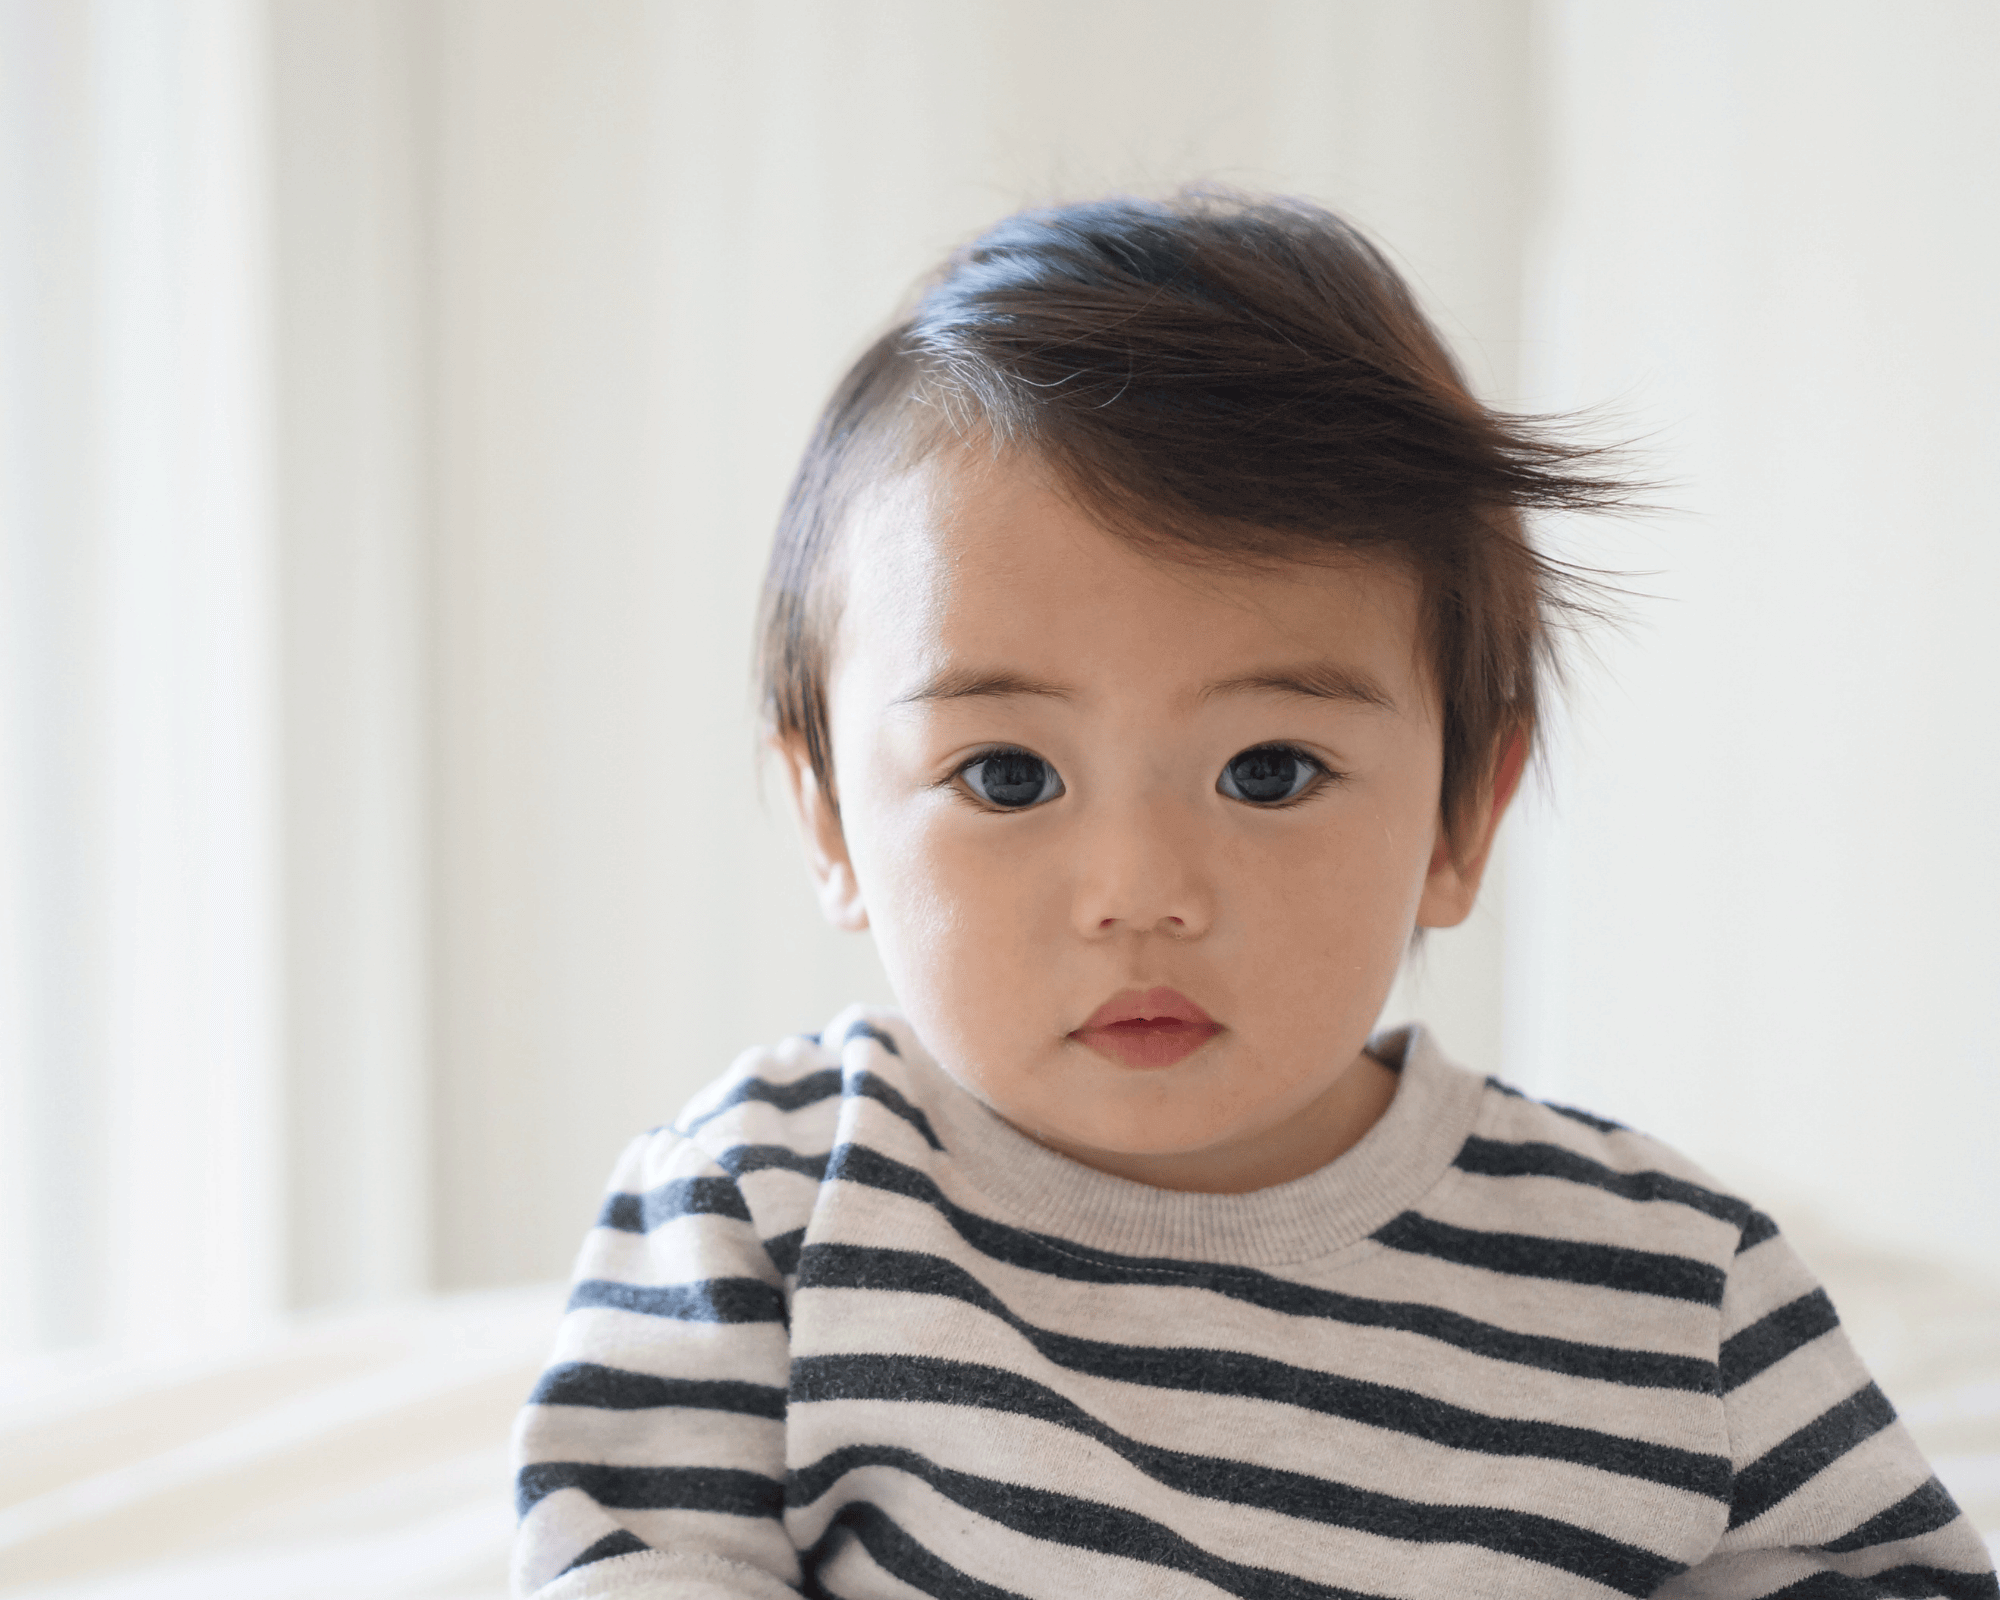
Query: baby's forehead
967,523
994,565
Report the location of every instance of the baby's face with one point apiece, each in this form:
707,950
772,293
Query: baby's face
1141,844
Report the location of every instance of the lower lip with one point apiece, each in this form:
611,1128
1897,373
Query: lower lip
1155,1042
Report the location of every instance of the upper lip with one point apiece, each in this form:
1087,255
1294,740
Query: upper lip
1148,1005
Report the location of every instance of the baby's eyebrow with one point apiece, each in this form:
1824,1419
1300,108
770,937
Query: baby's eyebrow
965,683
1318,680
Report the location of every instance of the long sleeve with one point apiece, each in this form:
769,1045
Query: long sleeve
1830,1499
651,1456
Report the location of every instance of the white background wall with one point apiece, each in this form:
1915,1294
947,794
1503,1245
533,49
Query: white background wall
530,308
1759,916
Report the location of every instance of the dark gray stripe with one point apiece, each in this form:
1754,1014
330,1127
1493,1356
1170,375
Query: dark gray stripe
708,1300
1588,1119
682,1197
822,1084
1059,1258
868,1030
739,1160
1923,1510
1092,1525
896,1553
1205,1370
1495,1158
723,1489
783,1249
621,1543
1771,1338
885,1094
1787,1467
826,1083
1917,1582
585,1383
1527,1255
1294,1494
1756,1229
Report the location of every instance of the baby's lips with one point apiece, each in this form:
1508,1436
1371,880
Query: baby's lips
1148,1005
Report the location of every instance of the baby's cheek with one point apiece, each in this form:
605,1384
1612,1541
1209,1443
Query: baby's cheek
946,931
1323,939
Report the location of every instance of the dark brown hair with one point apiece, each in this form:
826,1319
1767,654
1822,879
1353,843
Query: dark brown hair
1215,378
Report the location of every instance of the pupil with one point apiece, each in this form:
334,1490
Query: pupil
1265,774
1013,778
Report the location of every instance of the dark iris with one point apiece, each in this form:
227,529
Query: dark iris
1012,778
1266,774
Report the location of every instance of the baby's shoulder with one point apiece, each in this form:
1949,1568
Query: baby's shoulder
1600,1181
787,1105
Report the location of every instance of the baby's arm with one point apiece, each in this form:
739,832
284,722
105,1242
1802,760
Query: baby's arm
1832,1500
651,1455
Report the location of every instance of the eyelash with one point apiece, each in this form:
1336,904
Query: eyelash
1324,775
961,786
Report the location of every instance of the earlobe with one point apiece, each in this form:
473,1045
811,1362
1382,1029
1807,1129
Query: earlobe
1449,889
826,846
840,898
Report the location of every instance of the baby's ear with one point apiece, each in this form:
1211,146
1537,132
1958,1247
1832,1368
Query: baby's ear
826,845
1452,884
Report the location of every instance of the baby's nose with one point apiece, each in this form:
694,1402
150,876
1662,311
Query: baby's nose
1143,873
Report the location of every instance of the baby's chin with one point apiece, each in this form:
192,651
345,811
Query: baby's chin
1148,1144
1216,1121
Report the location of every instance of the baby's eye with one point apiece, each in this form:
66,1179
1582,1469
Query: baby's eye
1269,774
1011,778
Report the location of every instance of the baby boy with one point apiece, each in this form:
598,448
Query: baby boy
1154,645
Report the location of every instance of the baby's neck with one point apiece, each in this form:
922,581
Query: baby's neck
1301,1143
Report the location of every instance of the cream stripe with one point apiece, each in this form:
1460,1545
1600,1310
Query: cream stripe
1018,1452
1271,1433
672,1438
873,1319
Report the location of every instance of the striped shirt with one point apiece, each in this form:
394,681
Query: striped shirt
841,1330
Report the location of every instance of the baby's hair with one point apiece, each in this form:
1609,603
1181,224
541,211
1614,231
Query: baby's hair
1217,379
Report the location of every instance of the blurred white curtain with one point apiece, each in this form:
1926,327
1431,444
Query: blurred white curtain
139,1078
352,134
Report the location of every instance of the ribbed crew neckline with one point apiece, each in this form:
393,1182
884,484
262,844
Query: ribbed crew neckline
1387,1171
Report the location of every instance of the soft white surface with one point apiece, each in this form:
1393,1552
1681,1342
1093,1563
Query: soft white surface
366,1454
359,1455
